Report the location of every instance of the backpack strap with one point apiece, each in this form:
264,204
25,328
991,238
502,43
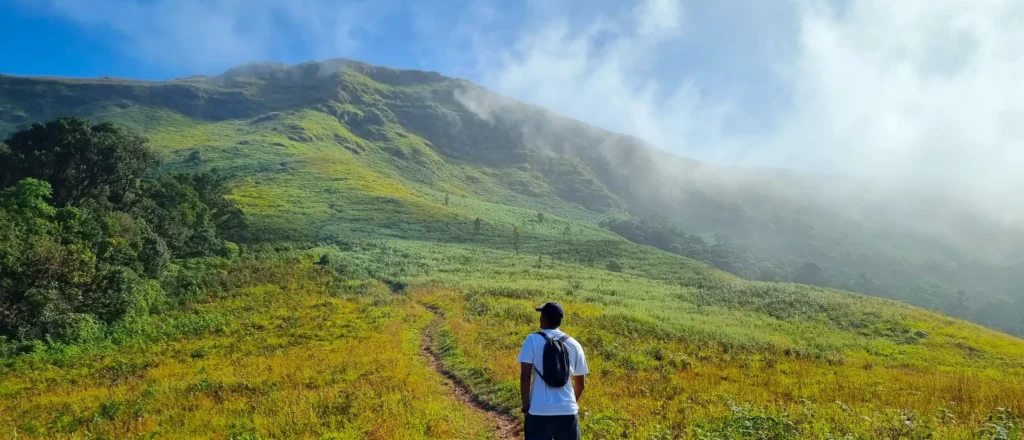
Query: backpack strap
547,339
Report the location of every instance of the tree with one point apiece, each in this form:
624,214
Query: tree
101,163
26,201
212,189
67,270
540,217
445,199
478,225
177,213
927,293
1000,313
811,273
515,238
767,272
61,270
957,304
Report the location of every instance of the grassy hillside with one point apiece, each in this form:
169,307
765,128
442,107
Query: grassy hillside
376,198
437,135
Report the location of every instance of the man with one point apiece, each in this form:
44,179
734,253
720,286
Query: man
551,412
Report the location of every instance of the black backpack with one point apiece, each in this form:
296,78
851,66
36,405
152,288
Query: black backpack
556,361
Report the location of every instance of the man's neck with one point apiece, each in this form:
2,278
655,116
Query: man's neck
550,328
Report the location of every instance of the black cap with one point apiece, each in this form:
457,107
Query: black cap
551,309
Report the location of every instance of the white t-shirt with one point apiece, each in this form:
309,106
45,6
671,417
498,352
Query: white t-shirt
545,400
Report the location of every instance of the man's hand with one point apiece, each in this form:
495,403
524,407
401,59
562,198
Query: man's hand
578,384
525,374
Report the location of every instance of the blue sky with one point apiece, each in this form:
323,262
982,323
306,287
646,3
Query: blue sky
917,92
161,39
109,38
47,39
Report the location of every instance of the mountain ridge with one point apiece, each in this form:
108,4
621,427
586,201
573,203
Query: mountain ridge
439,129
383,220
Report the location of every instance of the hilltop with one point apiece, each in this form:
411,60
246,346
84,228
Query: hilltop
450,135
378,198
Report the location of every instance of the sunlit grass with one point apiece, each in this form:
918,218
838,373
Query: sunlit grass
678,349
650,379
291,360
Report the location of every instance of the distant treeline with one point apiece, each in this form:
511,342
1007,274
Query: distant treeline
989,294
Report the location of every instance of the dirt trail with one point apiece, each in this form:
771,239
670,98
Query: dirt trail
505,426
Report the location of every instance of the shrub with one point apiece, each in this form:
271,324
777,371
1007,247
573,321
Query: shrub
183,286
76,327
1003,425
748,423
77,260
154,255
228,250
118,291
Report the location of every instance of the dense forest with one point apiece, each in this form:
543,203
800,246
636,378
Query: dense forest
91,230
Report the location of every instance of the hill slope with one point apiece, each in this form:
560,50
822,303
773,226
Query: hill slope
437,134
413,178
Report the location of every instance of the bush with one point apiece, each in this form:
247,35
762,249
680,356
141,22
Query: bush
182,286
1003,424
118,291
75,261
154,255
748,423
76,327
396,286
228,250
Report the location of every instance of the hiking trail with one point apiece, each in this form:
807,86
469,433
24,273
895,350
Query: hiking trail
506,427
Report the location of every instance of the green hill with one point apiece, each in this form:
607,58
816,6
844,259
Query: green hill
374,196
430,134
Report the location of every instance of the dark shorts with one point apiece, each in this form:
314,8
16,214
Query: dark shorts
552,427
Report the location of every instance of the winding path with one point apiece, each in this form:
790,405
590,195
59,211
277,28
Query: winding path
505,427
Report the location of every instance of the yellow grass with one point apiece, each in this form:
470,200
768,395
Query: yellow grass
641,387
288,363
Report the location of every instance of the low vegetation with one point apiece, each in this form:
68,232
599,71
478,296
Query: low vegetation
279,349
286,294
87,231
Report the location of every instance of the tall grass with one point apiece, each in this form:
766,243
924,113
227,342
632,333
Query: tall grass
306,337
651,380
297,353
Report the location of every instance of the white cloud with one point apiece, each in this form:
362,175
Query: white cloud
910,93
599,71
921,94
659,17
918,94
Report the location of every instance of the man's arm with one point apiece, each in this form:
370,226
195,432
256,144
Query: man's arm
578,384
525,374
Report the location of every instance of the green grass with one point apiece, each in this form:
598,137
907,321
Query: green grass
287,357
282,347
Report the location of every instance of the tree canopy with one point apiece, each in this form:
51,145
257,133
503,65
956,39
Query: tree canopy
88,228
79,161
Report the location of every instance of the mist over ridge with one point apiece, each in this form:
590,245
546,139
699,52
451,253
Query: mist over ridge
805,131
335,218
